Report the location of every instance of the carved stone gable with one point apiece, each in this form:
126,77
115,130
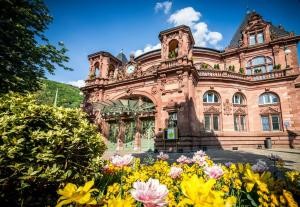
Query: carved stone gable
240,111
270,110
212,110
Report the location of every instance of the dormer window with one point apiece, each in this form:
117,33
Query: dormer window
256,38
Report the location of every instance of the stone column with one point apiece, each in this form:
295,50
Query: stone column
138,134
121,136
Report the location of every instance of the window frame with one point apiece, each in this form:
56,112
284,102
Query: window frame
242,99
211,127
215,96
267,65
271,96
239,127
270,122
255,35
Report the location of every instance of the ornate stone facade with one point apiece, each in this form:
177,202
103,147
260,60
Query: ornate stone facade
222,99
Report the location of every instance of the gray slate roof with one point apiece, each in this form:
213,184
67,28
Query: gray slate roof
276,32
122,58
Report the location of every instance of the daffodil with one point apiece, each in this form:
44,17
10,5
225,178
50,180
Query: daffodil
71,194
119,202
198,193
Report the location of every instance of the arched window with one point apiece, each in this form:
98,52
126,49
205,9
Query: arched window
268,98
210,97
270,119
260,64
111,71
173,49
97,70
238,98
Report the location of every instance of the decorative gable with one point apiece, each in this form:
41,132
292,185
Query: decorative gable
270,110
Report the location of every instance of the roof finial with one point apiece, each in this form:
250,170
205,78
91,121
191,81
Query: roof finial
121,50
247,7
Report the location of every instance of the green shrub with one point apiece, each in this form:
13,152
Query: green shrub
217,66
231,68
42,146
242,71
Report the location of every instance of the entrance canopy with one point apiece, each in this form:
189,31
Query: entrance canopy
127,107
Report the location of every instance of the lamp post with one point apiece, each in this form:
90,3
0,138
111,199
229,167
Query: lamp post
286,52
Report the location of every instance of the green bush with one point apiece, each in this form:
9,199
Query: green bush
42,146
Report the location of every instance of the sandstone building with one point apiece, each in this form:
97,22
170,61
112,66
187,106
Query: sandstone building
182,97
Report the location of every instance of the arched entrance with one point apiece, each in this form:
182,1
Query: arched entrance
130,123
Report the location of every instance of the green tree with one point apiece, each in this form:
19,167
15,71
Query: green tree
25,53
42,146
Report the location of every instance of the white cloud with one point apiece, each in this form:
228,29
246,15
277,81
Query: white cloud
187,16
202,35
165,6
78,83
147,48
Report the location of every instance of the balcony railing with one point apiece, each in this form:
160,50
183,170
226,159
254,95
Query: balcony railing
173,62
256,77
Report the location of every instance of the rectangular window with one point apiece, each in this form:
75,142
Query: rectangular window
270,68
172,119
248,72
252,40
207,122
275,122
243,123
210,98
239,122
237,99
258,61
274,99
260,38
236,123
267,99
265,123
216,122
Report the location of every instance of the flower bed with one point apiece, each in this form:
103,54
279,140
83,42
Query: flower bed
195,181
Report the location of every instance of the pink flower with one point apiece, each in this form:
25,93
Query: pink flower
200,153
200,160
184,160
214,171
151,193
175,172
120,161
162,156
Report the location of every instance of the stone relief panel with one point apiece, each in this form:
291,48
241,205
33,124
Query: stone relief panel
227,107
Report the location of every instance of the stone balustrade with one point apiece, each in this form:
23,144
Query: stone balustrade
203,73
233,75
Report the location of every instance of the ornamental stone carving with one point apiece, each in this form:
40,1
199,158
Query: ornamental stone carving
227,107
269,109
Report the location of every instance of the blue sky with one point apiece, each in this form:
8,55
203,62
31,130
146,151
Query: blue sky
94,25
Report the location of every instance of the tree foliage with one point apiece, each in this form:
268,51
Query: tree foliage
25,52
68,96
41,146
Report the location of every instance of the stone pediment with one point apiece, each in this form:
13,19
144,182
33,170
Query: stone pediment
270,110
240,110
212,110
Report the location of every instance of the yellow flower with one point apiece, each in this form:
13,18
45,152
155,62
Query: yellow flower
72,194
197,192
289,198
254,178
119,202
274,200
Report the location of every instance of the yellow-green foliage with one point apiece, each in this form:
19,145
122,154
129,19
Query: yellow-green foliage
41,146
